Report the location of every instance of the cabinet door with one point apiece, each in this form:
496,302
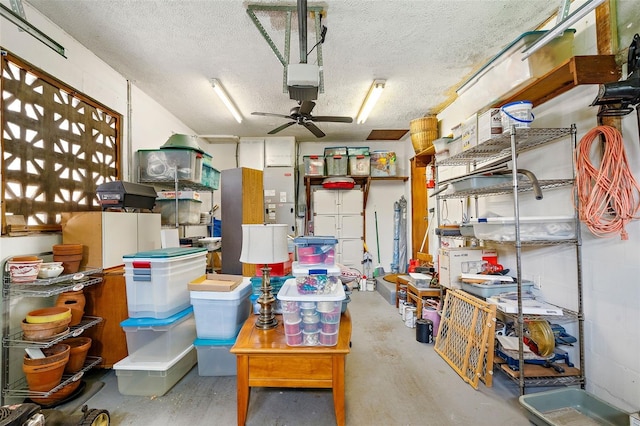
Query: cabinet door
350,226
325,201
351,201
351,252
325,225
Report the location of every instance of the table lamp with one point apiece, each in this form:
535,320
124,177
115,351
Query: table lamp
265,244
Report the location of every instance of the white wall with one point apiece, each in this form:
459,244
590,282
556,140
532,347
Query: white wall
610,266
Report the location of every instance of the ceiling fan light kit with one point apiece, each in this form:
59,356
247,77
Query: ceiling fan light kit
370,100
226,100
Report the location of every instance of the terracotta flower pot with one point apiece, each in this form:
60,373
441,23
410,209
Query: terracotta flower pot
75,301
70,263
44,331
59,395
78,353
46,376
55,353
68,249
45,315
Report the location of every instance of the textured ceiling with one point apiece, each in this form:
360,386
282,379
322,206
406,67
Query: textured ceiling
170,49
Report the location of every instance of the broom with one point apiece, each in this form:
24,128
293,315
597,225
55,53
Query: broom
379,271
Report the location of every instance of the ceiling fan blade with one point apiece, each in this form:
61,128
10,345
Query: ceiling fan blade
331,118
284,126
268,114
313,129
306,107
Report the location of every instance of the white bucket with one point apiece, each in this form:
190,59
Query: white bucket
516,114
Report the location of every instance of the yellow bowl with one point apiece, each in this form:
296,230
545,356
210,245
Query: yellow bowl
56,313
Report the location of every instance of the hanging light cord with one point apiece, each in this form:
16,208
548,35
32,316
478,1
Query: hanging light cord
609,196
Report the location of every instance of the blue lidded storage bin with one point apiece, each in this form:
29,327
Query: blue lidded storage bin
214,358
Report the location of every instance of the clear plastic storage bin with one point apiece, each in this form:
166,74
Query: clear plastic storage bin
531,228
214,358
336,165
157,280
188,211
359,165
315,250
383,163
161,165
313,165
153,378
151,339
311,319
220,315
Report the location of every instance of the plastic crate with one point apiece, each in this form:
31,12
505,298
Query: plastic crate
507,71
335,150
383,163
493,288
153,378
315,250
311,319
532,228
336,165
156,280
214,358
210,177
313,165
151,339
357,150
160,165
359,165
220,315
188,211
276,283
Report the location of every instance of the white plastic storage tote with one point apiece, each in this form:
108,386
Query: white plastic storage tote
153,378
214,358
157,280
151,339
220,315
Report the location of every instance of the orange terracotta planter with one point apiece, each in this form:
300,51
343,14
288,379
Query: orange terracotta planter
47,375
78,353
55,353
44,331
74,300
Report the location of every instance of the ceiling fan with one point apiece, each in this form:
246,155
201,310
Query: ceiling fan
301,114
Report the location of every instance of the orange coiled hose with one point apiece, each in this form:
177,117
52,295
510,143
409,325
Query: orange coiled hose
609,196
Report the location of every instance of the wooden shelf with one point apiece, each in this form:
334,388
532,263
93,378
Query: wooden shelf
575,71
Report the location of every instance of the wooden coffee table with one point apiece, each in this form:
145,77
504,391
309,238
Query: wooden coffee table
265,360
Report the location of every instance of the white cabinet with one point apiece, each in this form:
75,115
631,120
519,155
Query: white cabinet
339,213
107,236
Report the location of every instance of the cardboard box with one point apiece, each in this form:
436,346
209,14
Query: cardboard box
470,133
453,261
489,125
215,282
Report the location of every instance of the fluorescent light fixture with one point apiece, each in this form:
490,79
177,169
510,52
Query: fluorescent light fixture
370,100
571,20
222,94
22,23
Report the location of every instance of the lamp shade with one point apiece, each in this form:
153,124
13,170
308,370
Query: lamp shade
264,244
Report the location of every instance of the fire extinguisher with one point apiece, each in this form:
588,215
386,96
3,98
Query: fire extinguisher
431,176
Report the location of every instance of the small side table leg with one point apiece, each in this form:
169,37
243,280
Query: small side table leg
243,388
338,389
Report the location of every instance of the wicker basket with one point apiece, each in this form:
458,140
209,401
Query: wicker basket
424,131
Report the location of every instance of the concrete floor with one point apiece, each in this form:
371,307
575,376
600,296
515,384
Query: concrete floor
391,379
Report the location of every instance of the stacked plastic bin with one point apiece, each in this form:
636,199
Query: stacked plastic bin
219,316
161,326
311,303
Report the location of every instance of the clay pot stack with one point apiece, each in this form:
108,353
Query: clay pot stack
70,255
44,374
75,301
46,323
